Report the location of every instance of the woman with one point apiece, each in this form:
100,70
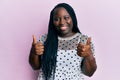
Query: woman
64,53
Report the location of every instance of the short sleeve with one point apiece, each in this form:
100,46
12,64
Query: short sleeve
43,38
92,48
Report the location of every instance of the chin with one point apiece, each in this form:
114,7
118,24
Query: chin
64,32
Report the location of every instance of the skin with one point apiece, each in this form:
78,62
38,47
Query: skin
63,24
36,50
89,64
62,19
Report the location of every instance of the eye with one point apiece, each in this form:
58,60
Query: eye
56,19
66,17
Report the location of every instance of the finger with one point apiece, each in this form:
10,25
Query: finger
39,44
83,49
80,45
88,40
39,51
42,47
34,39
38,48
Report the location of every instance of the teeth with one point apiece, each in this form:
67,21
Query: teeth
63,28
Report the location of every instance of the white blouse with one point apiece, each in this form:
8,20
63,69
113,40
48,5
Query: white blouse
68,66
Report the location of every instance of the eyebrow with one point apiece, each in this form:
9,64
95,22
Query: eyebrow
64,15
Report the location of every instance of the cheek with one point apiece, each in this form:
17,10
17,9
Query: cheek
70,23
55,23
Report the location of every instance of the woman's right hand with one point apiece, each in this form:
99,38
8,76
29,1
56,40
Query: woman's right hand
38,46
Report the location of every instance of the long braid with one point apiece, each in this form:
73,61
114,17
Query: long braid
51,43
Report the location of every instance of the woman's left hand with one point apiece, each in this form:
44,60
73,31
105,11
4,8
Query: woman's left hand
84,50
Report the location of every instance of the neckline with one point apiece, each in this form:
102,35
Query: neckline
68,38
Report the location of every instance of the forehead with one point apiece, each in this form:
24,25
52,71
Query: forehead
60,11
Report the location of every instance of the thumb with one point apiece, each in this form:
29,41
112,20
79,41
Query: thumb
88,40
34,39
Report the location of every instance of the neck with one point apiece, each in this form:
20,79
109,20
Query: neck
67,35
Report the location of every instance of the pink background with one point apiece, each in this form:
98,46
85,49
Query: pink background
20,19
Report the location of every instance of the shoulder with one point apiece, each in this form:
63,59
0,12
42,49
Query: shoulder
83,38
43,38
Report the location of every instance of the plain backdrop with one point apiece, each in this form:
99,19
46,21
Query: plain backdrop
20,19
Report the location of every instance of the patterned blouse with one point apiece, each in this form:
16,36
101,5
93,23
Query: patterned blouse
68,66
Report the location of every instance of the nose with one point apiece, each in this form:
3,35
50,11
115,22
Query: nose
62,22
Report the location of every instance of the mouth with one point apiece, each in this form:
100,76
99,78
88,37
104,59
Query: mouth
63,28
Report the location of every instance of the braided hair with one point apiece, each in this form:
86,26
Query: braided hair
48,60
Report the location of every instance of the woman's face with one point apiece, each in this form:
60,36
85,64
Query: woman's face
63,22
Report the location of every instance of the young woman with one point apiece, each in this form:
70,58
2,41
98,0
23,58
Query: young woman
64,53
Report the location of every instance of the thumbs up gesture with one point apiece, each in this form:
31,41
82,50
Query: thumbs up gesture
84,50
38,46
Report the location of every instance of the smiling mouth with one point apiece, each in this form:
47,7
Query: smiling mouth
63,28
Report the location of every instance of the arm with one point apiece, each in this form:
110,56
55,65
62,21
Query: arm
34,59
89,65
35,54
